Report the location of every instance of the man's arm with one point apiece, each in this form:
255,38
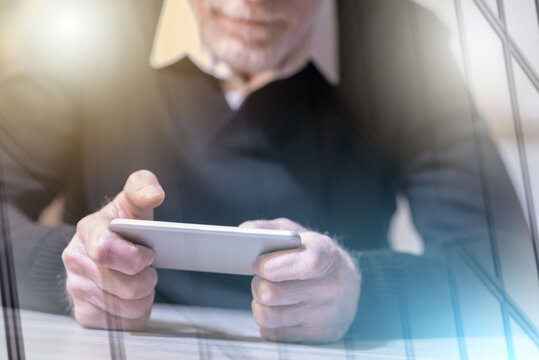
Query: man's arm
448,167
445,163
108,278
37,143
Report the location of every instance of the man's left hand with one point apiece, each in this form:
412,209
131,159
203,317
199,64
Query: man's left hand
308,294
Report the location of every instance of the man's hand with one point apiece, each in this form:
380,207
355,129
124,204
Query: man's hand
308,294
109,279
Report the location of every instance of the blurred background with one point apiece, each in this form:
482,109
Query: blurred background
478,50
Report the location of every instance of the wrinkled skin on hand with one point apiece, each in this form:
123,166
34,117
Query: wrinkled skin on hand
110,281
309,294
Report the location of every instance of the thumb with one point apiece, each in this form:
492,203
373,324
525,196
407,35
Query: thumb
140,195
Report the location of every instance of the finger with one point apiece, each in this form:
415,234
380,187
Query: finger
296,291
279,316
84,289
316,256
141,194
321,323
286,334
92,316
301,334
110,250
129,287
275,224
271,317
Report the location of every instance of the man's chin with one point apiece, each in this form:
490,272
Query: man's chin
245,57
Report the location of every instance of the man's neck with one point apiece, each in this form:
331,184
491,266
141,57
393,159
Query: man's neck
291,63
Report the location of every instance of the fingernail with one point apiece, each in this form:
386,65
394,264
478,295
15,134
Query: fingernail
151,254
150,191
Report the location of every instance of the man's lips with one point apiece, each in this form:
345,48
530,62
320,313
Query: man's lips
237,23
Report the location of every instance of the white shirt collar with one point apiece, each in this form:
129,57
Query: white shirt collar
177,36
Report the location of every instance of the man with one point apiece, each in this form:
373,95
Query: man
248,122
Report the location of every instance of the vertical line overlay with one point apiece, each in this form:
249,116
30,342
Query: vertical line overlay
8,283
457,316
516,120
510,48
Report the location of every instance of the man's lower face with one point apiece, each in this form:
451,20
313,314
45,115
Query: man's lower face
253,36
246,48
247,29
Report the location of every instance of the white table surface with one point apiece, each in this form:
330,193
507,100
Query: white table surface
180,332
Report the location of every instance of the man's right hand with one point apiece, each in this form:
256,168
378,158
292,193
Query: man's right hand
109,279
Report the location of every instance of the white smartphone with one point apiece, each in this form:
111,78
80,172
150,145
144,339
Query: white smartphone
209,248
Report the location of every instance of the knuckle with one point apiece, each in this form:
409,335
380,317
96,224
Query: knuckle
103,250
256,223
317,239
134,290
333,259
139,309
310,266
73,260
137,264
136,312
83,290
65,256
255,282
81,225
130,292
264,270
68,257
154,277
322,256
267,293
263,318
260,314
131,269
71,287
140,287
285,222
143,289
112,211
147,305
84,316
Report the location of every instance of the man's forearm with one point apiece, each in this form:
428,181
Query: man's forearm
39,271
398,290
